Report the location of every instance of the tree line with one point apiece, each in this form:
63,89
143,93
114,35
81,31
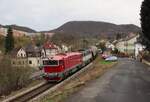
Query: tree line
145,23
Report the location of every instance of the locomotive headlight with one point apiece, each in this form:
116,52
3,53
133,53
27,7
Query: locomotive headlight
55,74
51,74
45,74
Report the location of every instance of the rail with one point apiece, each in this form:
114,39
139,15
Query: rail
34,93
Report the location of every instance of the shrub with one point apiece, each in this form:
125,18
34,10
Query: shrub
12,78
146,56
121,54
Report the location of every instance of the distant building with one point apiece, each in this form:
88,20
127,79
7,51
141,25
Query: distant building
3,31
49,34
16,33
138,48
49,49
65,48
19,58
127,45
21,53
27,56
19,62
33,55
110,45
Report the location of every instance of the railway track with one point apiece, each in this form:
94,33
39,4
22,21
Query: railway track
31,94
27,96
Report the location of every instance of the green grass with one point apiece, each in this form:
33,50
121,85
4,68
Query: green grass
105,62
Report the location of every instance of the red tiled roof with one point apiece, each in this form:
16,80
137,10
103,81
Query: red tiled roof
49,45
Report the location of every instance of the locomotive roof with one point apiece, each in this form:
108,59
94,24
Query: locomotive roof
63,55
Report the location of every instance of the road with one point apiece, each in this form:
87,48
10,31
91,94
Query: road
129,81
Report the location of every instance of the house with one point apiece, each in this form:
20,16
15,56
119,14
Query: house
138,48
19,58
110,45
27,56
19,62
127,45
33,54
21,53
64,48
49,49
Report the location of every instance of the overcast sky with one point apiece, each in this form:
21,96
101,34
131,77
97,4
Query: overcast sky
50,14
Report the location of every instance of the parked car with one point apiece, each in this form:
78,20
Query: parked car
104,56
111,58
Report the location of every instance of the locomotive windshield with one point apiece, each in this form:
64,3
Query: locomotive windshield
50,62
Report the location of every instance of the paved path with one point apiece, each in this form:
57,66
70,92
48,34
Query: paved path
129,81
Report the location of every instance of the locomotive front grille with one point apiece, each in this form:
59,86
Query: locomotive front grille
51,74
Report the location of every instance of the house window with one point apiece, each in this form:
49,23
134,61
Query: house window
30,62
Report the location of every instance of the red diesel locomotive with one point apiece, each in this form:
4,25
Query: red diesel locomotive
58,67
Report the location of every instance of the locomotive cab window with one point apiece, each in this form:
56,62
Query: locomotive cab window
50,62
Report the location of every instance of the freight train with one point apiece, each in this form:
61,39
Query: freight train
58,67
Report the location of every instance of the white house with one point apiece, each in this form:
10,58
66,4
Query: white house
34,62
127,45
138,48
110,46
19,58
21,53
27,56
65,48
33,55
49,49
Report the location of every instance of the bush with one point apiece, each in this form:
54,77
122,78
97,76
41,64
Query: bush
121,54
12,78
115,51
146,56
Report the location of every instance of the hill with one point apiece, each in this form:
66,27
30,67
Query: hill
21,28
18,31
93,28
